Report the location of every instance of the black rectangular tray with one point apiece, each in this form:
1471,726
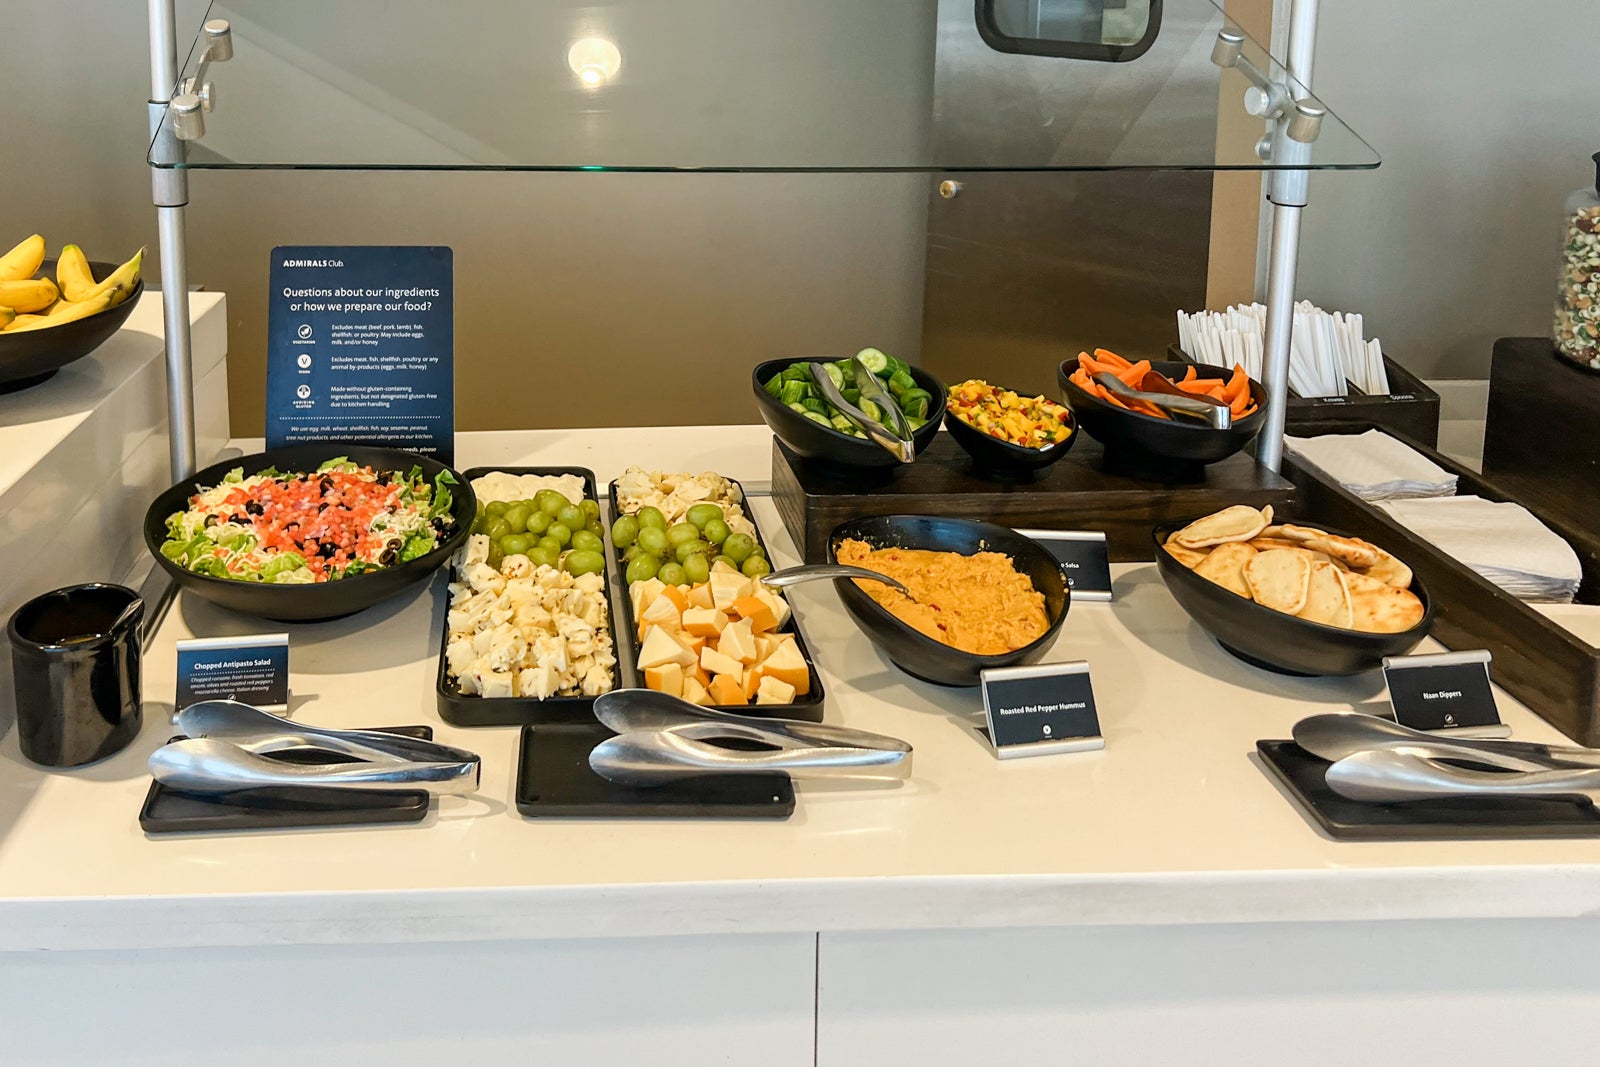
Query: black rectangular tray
1409,407
554,780
168,811
470,709
1303,775
808,707
1538,661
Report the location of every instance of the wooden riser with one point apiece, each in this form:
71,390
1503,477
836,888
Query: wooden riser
1074,494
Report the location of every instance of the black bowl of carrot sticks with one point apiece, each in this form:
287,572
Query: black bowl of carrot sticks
1147,438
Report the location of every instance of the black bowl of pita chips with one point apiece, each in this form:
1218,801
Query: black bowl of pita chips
1289,598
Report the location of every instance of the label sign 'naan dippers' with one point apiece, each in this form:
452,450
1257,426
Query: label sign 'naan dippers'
1318,576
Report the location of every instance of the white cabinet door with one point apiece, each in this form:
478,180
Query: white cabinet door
1325,995
658,1001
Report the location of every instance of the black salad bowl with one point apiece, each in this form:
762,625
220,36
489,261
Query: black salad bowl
916,653
1274,640
320,600
992,455
32,356
823,443
1180,444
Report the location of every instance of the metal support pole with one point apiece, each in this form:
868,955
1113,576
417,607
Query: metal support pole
170,193
1288,191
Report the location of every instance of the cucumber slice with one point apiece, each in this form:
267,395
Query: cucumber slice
875,361
897,366
794,392
900,381
835,373
821,420
916,422
811,403
843,425
774,385
851,395
796,407
916,402
795,373
871,411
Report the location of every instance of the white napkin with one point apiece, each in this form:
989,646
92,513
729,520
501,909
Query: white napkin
1374,466
1502,542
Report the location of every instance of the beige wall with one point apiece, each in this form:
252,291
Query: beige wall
1486,114
582,299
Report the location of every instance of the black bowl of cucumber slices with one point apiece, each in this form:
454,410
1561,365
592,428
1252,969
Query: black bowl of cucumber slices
798,415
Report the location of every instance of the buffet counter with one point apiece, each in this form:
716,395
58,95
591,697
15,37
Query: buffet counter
1173,824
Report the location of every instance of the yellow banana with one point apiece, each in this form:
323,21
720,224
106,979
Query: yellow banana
22,320
33,295
81,309
6,317
22,261
73,274
119,282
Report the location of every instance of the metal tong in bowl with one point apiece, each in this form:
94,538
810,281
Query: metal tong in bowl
1213,412
228,741
662,739
894,434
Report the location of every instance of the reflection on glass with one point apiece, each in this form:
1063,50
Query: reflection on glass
730,85
1114,31
594,60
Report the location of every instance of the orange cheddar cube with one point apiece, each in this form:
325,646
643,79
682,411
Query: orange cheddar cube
727,689
762,617
677,596
667,678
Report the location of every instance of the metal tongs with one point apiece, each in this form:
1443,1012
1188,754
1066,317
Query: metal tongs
1211,411
894,433
1380,761
228,742
662,739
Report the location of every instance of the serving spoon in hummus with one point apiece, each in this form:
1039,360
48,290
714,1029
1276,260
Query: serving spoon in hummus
811,572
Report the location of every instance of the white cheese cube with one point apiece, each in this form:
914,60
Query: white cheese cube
717,663
774,691
659,648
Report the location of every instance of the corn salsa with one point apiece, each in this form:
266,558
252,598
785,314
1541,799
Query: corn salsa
1032,422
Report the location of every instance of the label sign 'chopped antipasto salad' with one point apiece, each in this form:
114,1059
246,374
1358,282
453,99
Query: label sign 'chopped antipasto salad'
291,528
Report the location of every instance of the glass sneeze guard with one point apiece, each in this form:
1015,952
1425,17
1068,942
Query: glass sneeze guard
717,85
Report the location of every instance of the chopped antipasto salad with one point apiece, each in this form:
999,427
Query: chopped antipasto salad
298,528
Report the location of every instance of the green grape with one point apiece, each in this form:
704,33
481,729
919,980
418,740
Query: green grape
562,534
538,523
652,539
625,531
696,569
692,548
550,543
596,527
551,502
495,555
497,528
633,553
590,508
652,517
725,559
678,533
738,547
672,574
755,567
516,544
496,508
701,514
758,552
517,518
584,541
642,569
715,531
571,516
584,562
542,556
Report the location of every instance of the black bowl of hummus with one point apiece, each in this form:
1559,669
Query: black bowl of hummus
983,596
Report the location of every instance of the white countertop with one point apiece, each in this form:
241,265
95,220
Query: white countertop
1173,822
